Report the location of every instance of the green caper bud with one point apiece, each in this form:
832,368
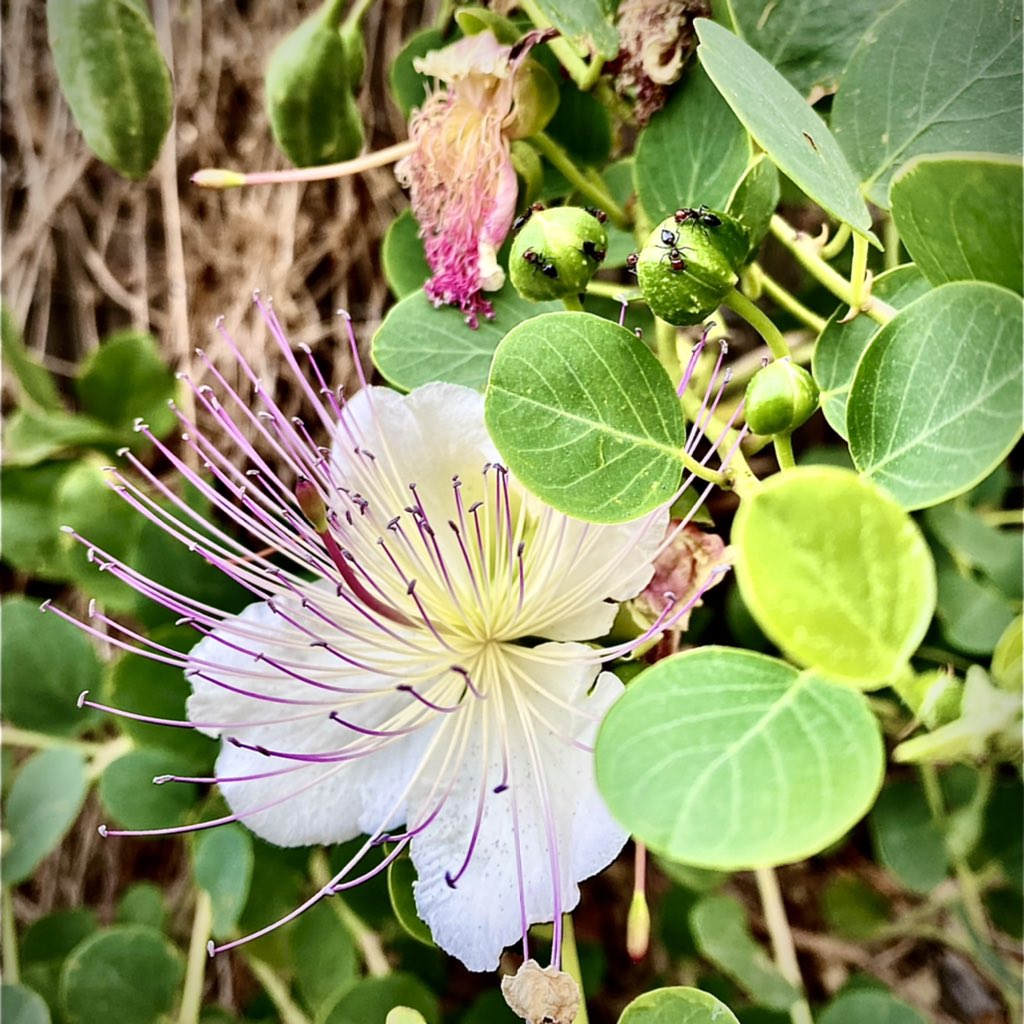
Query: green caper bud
556,252
689,264
309,84
780,397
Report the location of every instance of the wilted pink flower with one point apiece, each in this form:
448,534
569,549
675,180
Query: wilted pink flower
419,664
461,180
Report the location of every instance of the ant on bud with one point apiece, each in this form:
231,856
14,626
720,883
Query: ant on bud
592,251
541,263
674,253
631,261
518,223
703,216
599,215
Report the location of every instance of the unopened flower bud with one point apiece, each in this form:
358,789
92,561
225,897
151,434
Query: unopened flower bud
689,264
638,928
780,397
535,101
309,85
312,505
556,252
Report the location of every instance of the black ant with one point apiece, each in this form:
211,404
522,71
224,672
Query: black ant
599,215
593,251
518,223
703,216
670,239
631,262
541,263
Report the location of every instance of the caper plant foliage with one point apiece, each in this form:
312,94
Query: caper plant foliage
729,301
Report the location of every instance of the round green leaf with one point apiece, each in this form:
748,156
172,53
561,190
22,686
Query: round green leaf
783,124
584,23
325,957
142,903
401,880
47,663
728,759
54,936
835,572
962,217
222,863
125,379
720,929
677,1005
30,537
418,343
809,42
408,86
128,973
20,1005
693,152
134,801
30,436
585,417
869,1005
907,840
402,257
372,998
114,78
42,805
892,105
840,345
935,403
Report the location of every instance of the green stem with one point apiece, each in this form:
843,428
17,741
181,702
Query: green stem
832,249
611,290
712,476
742,306
277,991
571,964
739,476
355,16
107,755
784,451
12,736
970,892
666,346
330,13
10,938
583,74
362,934
195,969
891,237
782,941
572,303
562,162
858,271
1004,517
807,256
787,301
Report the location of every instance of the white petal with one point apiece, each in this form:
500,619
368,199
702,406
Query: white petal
479,918
315,803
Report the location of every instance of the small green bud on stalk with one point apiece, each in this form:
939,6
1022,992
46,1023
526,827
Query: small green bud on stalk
780,397
309,83
312,505
689,264
556,253
638,928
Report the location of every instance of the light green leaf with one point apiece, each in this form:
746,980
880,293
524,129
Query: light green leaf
20,1005
720,928
326,964
895,102
418,343
1008,657
401,880
693,151
42,805
584,23
783,124
840,345
858,1007
372,998
835,572
142,903
30,537
114,78
125,379
47,663
809,42
906,838
754,199
128,973
585,417
34,381
222,862
677,1005
408,86
975,544
935,403
728,759
134,801
402,256
961,217
30,436
972,613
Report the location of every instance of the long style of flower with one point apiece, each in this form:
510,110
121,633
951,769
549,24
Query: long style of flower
418,664
462,185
